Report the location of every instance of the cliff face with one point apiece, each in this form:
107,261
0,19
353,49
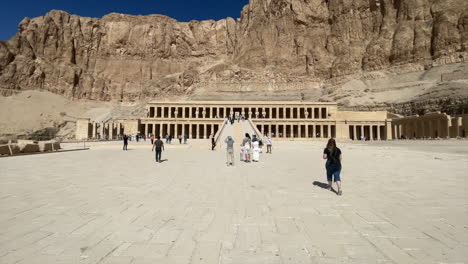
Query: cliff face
131,58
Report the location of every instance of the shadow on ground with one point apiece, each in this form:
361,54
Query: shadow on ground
323,186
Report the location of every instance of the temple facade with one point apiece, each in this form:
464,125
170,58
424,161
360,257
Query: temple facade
282,120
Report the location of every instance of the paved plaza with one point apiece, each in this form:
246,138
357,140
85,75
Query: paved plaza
403,202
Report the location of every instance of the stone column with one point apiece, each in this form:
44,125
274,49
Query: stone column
101,130
212,130
378,133
306,130
111,131
176,132
423,129
457,126
354,133
94,130
362,130
269,129
439,128
299,131
431,128
170,112
198,130
204,131
190,130
447,129
270,115
284,130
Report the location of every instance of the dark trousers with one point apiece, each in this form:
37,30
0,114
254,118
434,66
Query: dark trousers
125,146
158,154
213,146
152,141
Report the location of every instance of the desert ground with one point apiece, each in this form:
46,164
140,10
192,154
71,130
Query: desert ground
403,202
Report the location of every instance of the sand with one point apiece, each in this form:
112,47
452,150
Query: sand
403,202
30,111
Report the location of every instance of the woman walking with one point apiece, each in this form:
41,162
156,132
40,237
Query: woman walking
247,143
269,144
333,165
256,149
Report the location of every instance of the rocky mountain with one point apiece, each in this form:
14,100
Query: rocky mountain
275,47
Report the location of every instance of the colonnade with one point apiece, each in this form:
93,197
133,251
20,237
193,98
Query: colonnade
424,127
367,132
191,129
106,130
297,130
265,112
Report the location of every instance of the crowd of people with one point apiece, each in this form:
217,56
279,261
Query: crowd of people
250,149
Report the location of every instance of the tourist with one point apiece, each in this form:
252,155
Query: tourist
137,137
159,146
152,139
229,151
333,165
269,144
256,149
125,141
180,139
185,138
213,143
167,138
170,139
247,143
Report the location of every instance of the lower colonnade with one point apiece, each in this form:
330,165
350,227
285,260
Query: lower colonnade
280,120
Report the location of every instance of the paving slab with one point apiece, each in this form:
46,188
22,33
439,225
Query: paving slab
402,203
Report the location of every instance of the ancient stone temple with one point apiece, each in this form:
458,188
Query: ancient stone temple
283,120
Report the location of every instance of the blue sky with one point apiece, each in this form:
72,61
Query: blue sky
14,11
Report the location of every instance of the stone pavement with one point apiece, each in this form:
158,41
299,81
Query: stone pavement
105,205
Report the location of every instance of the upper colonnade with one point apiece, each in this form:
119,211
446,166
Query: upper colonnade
250,110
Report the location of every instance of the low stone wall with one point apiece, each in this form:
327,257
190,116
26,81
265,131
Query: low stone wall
4,150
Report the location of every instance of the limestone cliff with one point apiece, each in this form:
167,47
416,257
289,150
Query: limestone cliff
275,46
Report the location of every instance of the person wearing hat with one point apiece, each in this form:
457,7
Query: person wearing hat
229,151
